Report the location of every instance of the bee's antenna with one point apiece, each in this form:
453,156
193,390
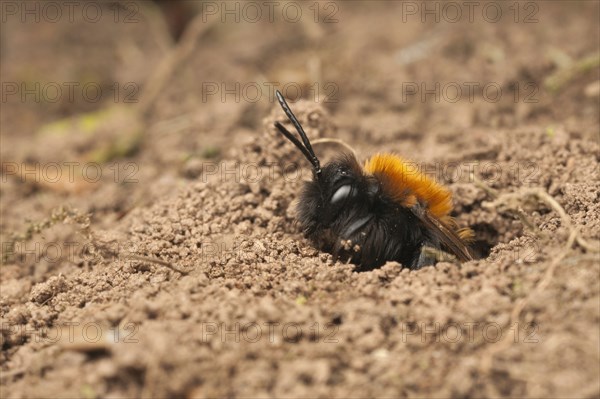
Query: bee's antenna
306,148
296,142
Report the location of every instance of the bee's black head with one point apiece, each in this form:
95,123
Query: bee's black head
340,186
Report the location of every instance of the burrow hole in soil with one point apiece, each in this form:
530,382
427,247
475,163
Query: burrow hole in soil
486,238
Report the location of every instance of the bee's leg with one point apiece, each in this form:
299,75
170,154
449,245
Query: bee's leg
424,258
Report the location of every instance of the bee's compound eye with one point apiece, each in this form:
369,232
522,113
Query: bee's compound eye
341,193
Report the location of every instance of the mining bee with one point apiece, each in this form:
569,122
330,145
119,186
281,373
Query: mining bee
385,210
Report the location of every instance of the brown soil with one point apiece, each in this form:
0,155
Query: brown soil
180,271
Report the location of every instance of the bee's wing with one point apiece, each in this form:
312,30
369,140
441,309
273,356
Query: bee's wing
444,233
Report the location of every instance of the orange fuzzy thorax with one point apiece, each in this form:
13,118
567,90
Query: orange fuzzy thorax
407,185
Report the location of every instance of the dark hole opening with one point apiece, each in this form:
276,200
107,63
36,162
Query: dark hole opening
486,239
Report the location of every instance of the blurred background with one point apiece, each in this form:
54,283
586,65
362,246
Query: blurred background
165,84
113,108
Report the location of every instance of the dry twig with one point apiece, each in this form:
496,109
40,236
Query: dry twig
177,57
156,261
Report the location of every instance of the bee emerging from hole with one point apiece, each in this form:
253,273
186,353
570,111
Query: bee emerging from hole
385,210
